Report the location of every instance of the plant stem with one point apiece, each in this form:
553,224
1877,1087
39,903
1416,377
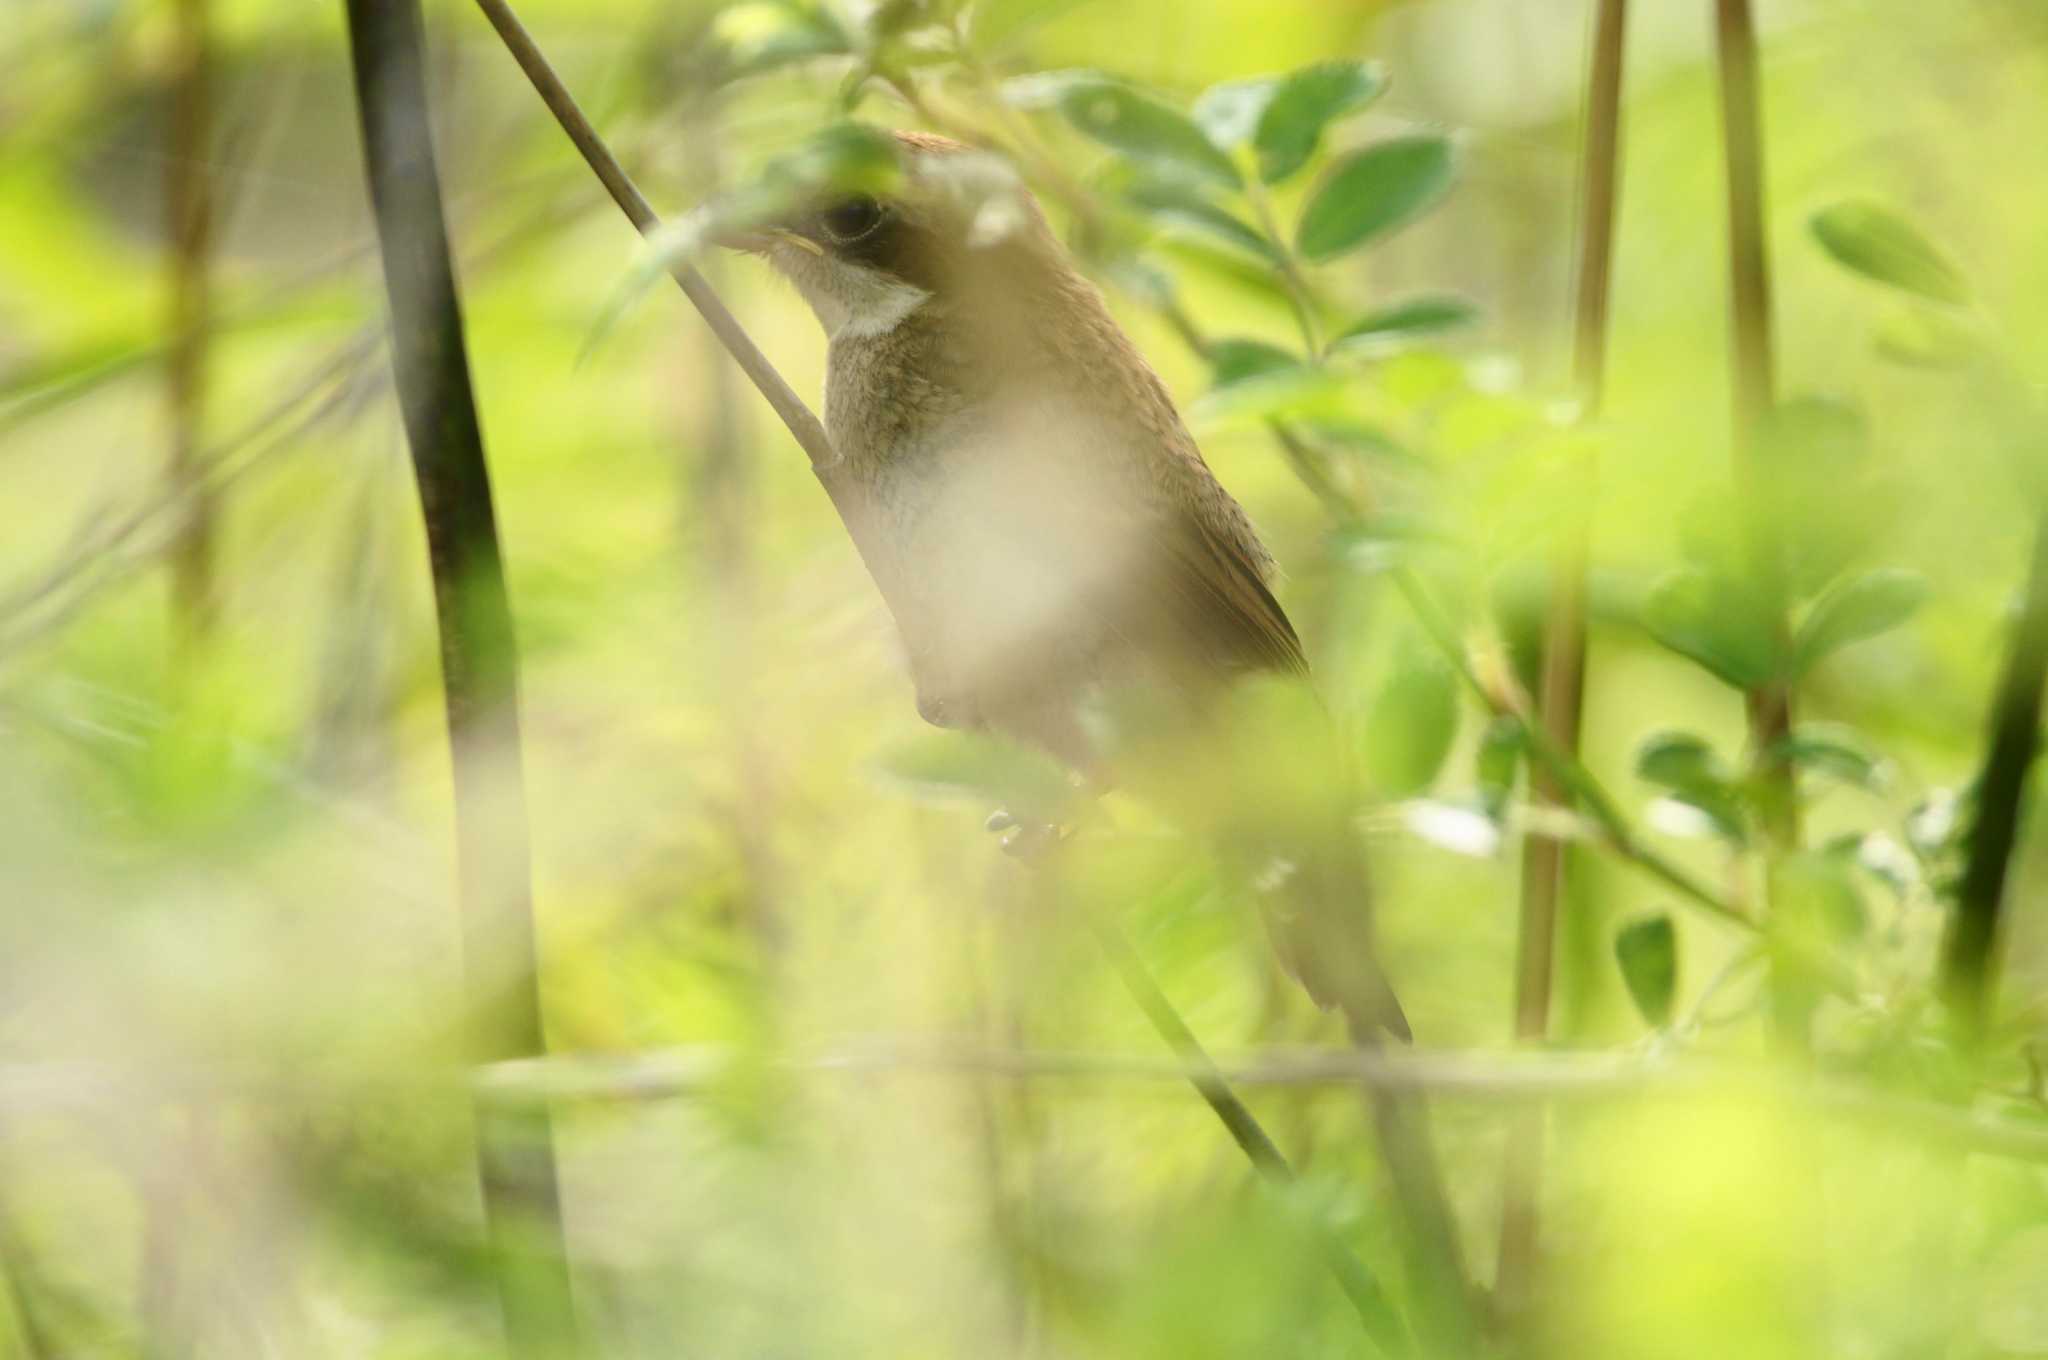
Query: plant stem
1749,286
1374,1310
1560,702
2014,741
188,203
522,1203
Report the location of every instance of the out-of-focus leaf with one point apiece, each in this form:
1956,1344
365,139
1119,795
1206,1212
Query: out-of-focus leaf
1835,751
1410,727
1499,758
1877,243
1647,951
762,36
1857,608
952,767
1424,314
1230,112
1373,192
1175,205
1710,619
1926,337
1299,392
1447,826
1234,360
1815,907
1684,764
1677,760
1305,102
1140,127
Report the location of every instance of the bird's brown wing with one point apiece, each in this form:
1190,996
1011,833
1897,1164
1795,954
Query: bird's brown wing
1220,603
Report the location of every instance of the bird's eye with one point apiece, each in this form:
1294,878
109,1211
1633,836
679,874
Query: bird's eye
849,221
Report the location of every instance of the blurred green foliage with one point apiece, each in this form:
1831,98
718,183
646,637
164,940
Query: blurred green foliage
230,1108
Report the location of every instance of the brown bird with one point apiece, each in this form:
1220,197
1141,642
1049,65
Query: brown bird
1048,536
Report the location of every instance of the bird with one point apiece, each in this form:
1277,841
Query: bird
1048,537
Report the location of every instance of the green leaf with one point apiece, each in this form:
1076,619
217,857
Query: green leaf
1423,314
1410,727
1178,206
1140,127
1857,608
763,36
1707,617
1305,102
1815,906
1835,751
1923,337
1877,243
1686,766
1230,112
1499,758
1647,950
958,766
1677,760
1234,360
1373,192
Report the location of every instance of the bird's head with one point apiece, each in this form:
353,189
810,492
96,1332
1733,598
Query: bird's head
946,223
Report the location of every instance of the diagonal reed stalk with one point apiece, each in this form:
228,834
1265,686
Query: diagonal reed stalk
1562,694
1358,1284
515,1148
2015,739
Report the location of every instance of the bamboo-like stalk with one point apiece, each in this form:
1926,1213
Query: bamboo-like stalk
515,1149
189,210
1560,701
2015,736
804,426
1755,395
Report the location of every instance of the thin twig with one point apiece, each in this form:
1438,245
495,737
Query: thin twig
1561,699
1381,1321
1478,1077
522,1202
2014,741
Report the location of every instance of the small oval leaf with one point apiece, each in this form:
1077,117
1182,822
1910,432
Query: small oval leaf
1142,128
1178,208
1423,314
1410,727
1234,360
1857,608
1647,951
1303,104
1230,112
1708,618
1877,243
1374,192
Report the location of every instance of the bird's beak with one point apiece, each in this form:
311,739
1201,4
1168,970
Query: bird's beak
757,241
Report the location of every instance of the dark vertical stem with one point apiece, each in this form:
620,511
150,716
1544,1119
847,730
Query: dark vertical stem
1749,284
1561,698
188,205
522,1203
2014,741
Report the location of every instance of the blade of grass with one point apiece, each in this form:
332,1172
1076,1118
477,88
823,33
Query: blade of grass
1559,705
515,1149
